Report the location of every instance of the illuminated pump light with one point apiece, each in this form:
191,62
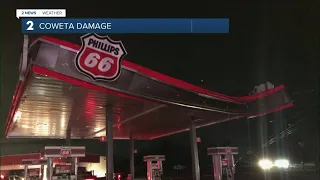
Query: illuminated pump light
282,163
1,176
265,164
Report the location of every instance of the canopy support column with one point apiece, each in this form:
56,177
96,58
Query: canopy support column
25,171
41,171
49,168
131,157
68,143
194,152
109,118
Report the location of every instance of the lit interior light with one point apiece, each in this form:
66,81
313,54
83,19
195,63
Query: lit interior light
98,168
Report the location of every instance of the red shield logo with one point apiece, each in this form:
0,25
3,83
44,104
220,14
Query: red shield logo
65,152
100,57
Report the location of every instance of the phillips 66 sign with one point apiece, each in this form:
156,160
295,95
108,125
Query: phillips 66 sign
65,151
100,57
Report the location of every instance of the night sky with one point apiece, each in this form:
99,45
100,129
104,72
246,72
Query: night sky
272,41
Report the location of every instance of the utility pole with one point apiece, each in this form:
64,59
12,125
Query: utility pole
249,139
317,90
317,58
317,96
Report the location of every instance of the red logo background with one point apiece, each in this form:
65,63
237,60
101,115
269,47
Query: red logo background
95,70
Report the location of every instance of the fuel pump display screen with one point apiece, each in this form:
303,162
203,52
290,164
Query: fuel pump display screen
224,162
33,172
62,169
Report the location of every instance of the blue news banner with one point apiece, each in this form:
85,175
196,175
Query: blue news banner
119,25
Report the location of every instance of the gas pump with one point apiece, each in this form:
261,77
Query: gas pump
63,171
34,173
154,166
223,162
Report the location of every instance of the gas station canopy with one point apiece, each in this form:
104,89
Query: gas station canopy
54,96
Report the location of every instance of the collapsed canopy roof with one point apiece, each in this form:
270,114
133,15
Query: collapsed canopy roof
55,96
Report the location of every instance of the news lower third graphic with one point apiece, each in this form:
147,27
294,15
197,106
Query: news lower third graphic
117,25
54,21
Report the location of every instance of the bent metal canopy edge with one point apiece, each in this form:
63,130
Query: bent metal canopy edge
54,96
